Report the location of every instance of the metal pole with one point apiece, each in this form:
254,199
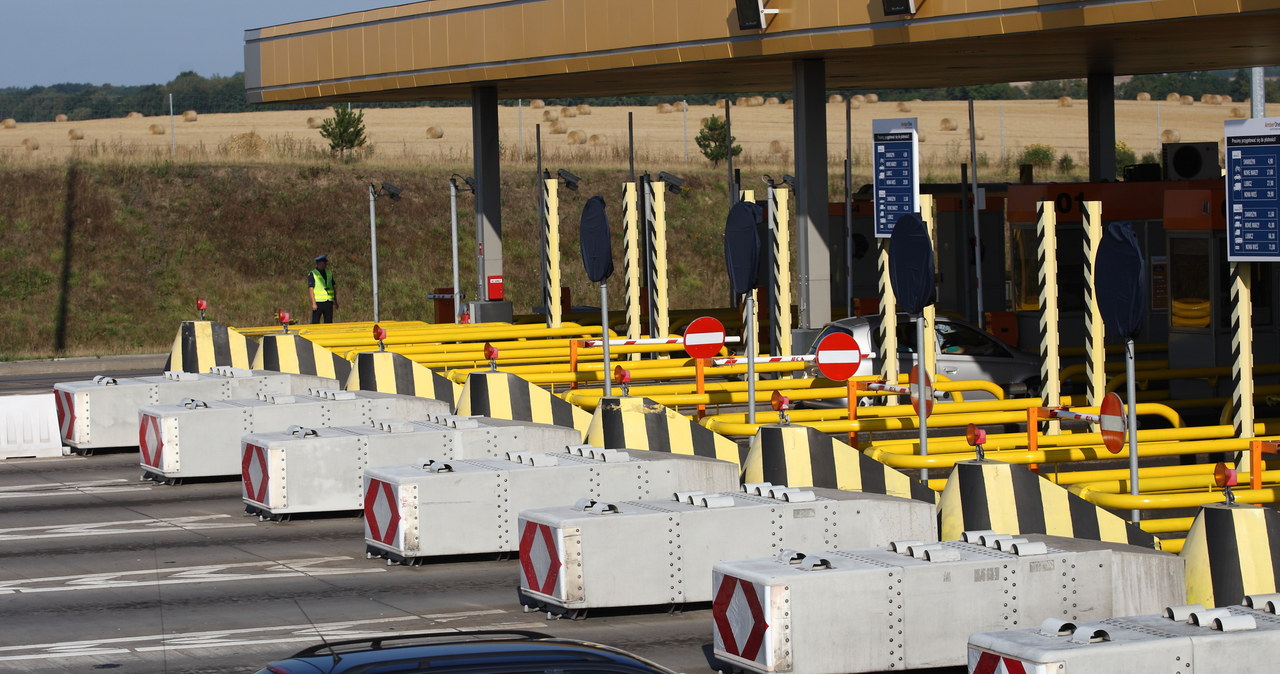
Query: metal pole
922,374
751,360
1002,159
1258,94
453,237
631,146
848,205
728,135
520,125
977,237
1157,126
1131,389
604,336
173,142
686,131
373,245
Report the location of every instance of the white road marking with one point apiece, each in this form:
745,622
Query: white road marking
208,573
250,636
148,526
61,488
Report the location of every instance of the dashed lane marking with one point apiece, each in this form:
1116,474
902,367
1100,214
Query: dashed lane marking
147,526
206,573
60,488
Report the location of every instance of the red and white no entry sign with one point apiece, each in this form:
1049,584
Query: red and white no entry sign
1111,422
704,337
915,391
838,356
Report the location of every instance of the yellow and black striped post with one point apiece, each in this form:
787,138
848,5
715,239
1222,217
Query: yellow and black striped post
888,353
1232,550
389,372
640,423
659,301
780,235
200,345
983,494
1242,348
299,355
631,259
502,395
1047,281
929,214
551,251
801,456
1095,351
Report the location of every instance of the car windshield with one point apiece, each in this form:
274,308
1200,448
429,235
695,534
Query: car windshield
956,338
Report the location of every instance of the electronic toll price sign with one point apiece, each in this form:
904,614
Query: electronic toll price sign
1253,189
896,145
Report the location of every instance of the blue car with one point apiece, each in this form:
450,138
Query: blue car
477,652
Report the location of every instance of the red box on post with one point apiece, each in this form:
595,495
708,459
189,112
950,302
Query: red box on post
495,288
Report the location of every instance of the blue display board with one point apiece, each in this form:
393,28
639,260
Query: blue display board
896,181
1253,189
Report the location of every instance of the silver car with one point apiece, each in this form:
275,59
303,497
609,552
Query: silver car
964,352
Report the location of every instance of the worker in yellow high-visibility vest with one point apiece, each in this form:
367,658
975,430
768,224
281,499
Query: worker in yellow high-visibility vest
324,299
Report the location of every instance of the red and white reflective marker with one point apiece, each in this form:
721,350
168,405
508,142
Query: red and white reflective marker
740,622
704,337
838,356
381,514
975,436
621,375
284,317
150,440
985,662
1223,476
1111,422
253,473
490,351
780,402
539,559
379,332
201,304
66,413
928,391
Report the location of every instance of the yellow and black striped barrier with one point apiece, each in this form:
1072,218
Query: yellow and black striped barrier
640,423
1232,550
299,355
505,396
200,345
800,456
985,494
389,372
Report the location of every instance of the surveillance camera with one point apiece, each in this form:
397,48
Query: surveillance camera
789,180
392,191
674,181
571,181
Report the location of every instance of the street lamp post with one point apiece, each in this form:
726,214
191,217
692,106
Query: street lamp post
388,190
453,215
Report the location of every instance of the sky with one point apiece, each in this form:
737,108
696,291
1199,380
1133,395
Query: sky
133,42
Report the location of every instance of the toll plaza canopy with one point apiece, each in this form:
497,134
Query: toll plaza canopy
441,49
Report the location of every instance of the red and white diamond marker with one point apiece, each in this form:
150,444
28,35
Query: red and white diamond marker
984,662
381,514
539,558
738,612
150,440
66,413
253,473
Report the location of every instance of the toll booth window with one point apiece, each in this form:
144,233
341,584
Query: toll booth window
1026,291
1262,294
906,337
955,338
1026,268
1191,276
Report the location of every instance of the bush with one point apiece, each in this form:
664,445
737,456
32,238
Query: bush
1150,158
1124,155
1066,163
1040,156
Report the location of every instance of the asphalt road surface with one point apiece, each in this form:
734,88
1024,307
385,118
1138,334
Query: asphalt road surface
100,570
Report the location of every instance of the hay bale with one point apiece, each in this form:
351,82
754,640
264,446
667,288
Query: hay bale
550,116
1225,98
920,136
873,98
1170,136
664,108
859,99
855,105
435,133
1205,98
790,105
776,147
75,134
1215,100
577,137
904,106
584,109
1065,102
596,140
59,118
1144,96
133,115
559,128
189,116
9,123
1239,113
1187,100
31,144
755,101
772,100
245,145
537,103
947,124
703,121
568,112
978,134
1173,97
313,122
680,106
156,130
835,98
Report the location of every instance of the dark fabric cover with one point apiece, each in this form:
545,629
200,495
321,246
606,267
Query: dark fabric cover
742,246
1121,281
593,236
911,264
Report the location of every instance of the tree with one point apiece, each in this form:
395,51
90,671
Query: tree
344,130
714,140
